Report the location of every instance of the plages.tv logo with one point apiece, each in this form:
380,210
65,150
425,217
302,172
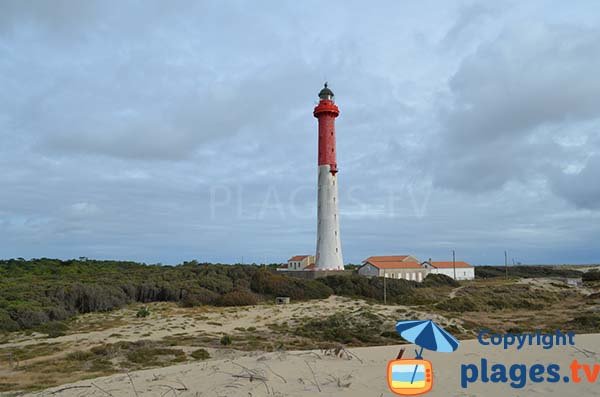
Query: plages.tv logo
410,377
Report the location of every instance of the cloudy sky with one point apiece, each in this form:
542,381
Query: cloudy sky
168,131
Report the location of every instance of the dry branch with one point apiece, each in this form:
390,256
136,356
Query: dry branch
314,376
69,388
132,384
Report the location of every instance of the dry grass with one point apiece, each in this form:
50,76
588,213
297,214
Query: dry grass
105,343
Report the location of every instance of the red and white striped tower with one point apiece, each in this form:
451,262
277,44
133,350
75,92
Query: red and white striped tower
329,248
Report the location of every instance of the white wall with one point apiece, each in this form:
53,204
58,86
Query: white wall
462,273
329,247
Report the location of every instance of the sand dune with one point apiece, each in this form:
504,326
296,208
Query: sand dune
362,374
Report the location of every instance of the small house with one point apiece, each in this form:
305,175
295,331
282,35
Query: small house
405,267
458,270
298,263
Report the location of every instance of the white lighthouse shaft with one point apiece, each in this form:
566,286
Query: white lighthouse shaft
329,248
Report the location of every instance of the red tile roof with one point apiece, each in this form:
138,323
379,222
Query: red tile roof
310,267
448,265
297,258
397,264
391,258
284,266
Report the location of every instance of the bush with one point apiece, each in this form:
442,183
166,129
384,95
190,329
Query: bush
29,317
357,329
53,329
439,280
587,322
459,304
200,354
592,275
201,296
7,323
226,340
525,271
237,298
264,282
150,356
143,312
398,290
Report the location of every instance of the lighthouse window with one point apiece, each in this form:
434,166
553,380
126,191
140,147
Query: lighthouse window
336,250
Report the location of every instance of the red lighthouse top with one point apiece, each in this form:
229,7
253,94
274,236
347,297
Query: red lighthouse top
326,112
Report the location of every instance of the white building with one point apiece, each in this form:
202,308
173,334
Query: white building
405,267
457,270
298,262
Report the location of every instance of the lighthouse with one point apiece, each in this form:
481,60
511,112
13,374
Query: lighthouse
329,248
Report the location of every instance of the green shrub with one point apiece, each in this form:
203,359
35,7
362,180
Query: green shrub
439,280
53,329
398,290
587,322
7,324
226,340
459,304
199,296
592,275
155,356
525,271
143,312
362,328
264,282
237,298
200,354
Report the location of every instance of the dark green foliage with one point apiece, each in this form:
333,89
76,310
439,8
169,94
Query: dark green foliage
226,340
201,296
37,291
139,354
151,356
357,286
267,283
143,312
593,275
439,280
53,329
363,328
200,354
587,322
7,323
238,298
525,271
458,304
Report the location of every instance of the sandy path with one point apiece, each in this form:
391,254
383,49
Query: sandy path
291,374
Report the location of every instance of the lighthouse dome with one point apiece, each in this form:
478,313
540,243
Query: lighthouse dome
326,93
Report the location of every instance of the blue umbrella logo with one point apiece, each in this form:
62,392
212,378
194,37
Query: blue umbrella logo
427,335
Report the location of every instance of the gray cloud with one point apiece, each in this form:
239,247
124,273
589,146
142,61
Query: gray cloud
511,102
164,132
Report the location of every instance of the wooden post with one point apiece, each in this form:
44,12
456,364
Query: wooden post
454,263
384,289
